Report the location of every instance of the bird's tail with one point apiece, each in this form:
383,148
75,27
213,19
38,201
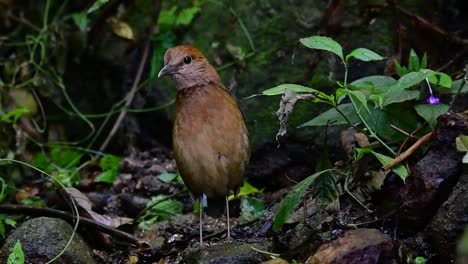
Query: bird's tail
216,207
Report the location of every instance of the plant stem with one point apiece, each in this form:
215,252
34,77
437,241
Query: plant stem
358,112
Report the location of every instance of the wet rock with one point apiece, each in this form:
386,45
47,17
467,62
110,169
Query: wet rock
231,253
364,246
434,175
448,224
43,238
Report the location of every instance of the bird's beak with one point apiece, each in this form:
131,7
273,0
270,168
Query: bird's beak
167,70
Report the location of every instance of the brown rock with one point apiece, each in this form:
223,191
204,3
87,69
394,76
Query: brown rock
363,246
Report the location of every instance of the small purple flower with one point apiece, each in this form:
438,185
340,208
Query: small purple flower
433,100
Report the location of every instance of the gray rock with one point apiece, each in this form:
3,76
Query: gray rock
43,238
231,253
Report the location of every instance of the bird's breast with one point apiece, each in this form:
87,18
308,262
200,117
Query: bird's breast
210,140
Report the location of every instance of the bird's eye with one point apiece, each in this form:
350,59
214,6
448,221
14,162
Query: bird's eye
187,59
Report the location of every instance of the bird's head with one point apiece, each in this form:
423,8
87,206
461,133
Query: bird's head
188,67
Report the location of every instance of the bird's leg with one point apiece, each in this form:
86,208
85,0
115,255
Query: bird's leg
200,203
227,219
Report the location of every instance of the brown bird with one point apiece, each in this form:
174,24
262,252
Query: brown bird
210,139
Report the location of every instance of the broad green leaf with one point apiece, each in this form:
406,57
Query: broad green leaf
292,199
107,176
64,158
401,96
109,162
246,189
380,82
340,94
401,115
462,143
360,152
81,21
168,208
17,255
323,43
186,15
413,78
398,169
281,89
364,55
420,260
413,64
333,117
361,98
431,112
444,80
377,99
14,115
167,177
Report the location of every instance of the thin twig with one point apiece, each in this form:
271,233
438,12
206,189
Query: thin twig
407,139
129,101
408,152
43,211
24,21
403,132
136,81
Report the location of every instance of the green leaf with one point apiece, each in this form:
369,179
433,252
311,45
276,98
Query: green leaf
361,98
424,61
400,70
444,80
81,20
251,209
431,112
364,55
379,82
65,158
323,43
97,5
186,15
17,255
292,199
109,162
281,89
413,78
456,85
14,115
420,260
413,64
167,208
360,152
333,117
167,177
248,189
401,96
398,169
340,95
377,99
462,143
107,176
